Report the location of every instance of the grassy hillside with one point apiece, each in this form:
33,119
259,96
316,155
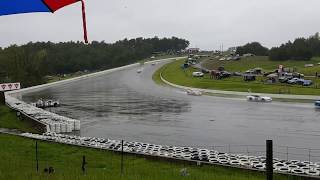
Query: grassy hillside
264,63
173,73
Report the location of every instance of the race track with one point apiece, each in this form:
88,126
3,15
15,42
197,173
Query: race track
127,105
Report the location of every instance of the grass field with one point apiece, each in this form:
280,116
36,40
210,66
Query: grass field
18,162
9,120
263,62
173,73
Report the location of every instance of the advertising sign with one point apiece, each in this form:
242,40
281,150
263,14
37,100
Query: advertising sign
10,86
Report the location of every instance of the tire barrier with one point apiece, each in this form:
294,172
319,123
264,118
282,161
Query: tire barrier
53,122
294,167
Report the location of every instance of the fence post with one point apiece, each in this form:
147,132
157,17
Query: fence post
83,167
269,161
2,98
287,153
309,157
37,156
121,157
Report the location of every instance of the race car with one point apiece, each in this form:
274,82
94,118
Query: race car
257,98
194,92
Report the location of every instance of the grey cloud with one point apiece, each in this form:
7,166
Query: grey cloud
206,23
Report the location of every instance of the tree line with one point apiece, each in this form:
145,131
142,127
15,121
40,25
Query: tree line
30,63
299,49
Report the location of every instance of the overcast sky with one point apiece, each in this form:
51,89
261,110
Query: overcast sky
205,23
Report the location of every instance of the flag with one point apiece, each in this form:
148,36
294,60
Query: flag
9,7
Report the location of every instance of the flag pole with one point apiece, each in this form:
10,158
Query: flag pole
85,34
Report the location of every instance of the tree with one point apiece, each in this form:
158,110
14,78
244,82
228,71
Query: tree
253,48
29,63
300,49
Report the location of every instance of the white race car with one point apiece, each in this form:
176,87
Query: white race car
197,74
257,98
139,70
194,92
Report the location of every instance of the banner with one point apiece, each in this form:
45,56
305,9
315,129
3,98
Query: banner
10,86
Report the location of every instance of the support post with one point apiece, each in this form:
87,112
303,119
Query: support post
84,164
37,156
2,98
121,157
269,161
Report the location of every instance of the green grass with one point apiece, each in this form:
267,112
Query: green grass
173,73
18,162
9,120
263,62
156,76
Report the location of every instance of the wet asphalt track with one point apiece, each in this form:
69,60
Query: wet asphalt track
127,105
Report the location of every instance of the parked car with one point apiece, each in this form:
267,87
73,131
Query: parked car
197,74
268,73
297,75
283,79
308,65
225,74
254,71
205,71
186,65
300,81
257,98
317,104
307,83
249,77
236,58
293,81
237,74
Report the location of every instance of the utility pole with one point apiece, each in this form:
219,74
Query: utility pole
269,161
121,157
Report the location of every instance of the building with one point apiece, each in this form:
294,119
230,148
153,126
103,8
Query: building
193,50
